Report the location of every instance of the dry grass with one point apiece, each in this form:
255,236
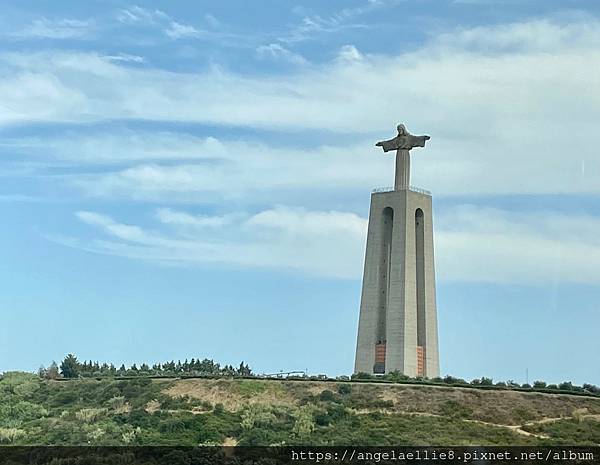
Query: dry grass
152,406
510,408
499,407
233,394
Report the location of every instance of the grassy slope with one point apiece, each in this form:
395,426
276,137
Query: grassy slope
194,411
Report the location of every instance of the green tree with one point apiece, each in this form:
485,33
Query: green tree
52,371
70,367
566,386
304,423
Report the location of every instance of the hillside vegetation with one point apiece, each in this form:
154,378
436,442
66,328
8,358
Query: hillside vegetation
263,412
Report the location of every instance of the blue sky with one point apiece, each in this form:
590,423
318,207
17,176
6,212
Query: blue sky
184,179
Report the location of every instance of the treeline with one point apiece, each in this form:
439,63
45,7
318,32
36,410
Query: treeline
70,367
483,382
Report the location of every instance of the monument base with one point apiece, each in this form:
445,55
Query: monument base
398,318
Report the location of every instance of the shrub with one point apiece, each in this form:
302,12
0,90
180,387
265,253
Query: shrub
454,409
565,386
257,415
344,389
304,423
327,396
10,434
486,381
452,380
21,411
95,434
129,436
591,388
89,415
116,402
396,376
219,409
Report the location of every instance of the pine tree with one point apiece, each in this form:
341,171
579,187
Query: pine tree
70,367
52,371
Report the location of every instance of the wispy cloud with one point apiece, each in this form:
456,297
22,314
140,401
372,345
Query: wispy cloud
213,170
313,25
179,31
316,243
126,58
278,52
536,247
494,112
65,28
118,147
138,15
169,26
472,243
350,53
183,219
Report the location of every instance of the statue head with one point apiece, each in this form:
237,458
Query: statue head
402,130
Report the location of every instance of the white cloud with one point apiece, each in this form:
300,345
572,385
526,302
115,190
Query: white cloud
168,216
472,243
126,58
45,28
514,121
312,25
119,146
316,243
539,247
276,51
138,16
180,31
118,230
350,53
212,170
538,36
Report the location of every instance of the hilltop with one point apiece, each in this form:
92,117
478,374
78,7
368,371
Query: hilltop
258,411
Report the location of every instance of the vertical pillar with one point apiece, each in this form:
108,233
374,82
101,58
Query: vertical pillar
402,180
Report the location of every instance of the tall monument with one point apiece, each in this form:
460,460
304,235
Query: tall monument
397,329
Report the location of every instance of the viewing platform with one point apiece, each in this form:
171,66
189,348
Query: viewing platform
379,190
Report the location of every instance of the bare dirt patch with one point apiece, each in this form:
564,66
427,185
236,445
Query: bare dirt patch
152,406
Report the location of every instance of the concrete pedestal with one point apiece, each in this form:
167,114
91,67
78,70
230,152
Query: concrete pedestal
398,317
